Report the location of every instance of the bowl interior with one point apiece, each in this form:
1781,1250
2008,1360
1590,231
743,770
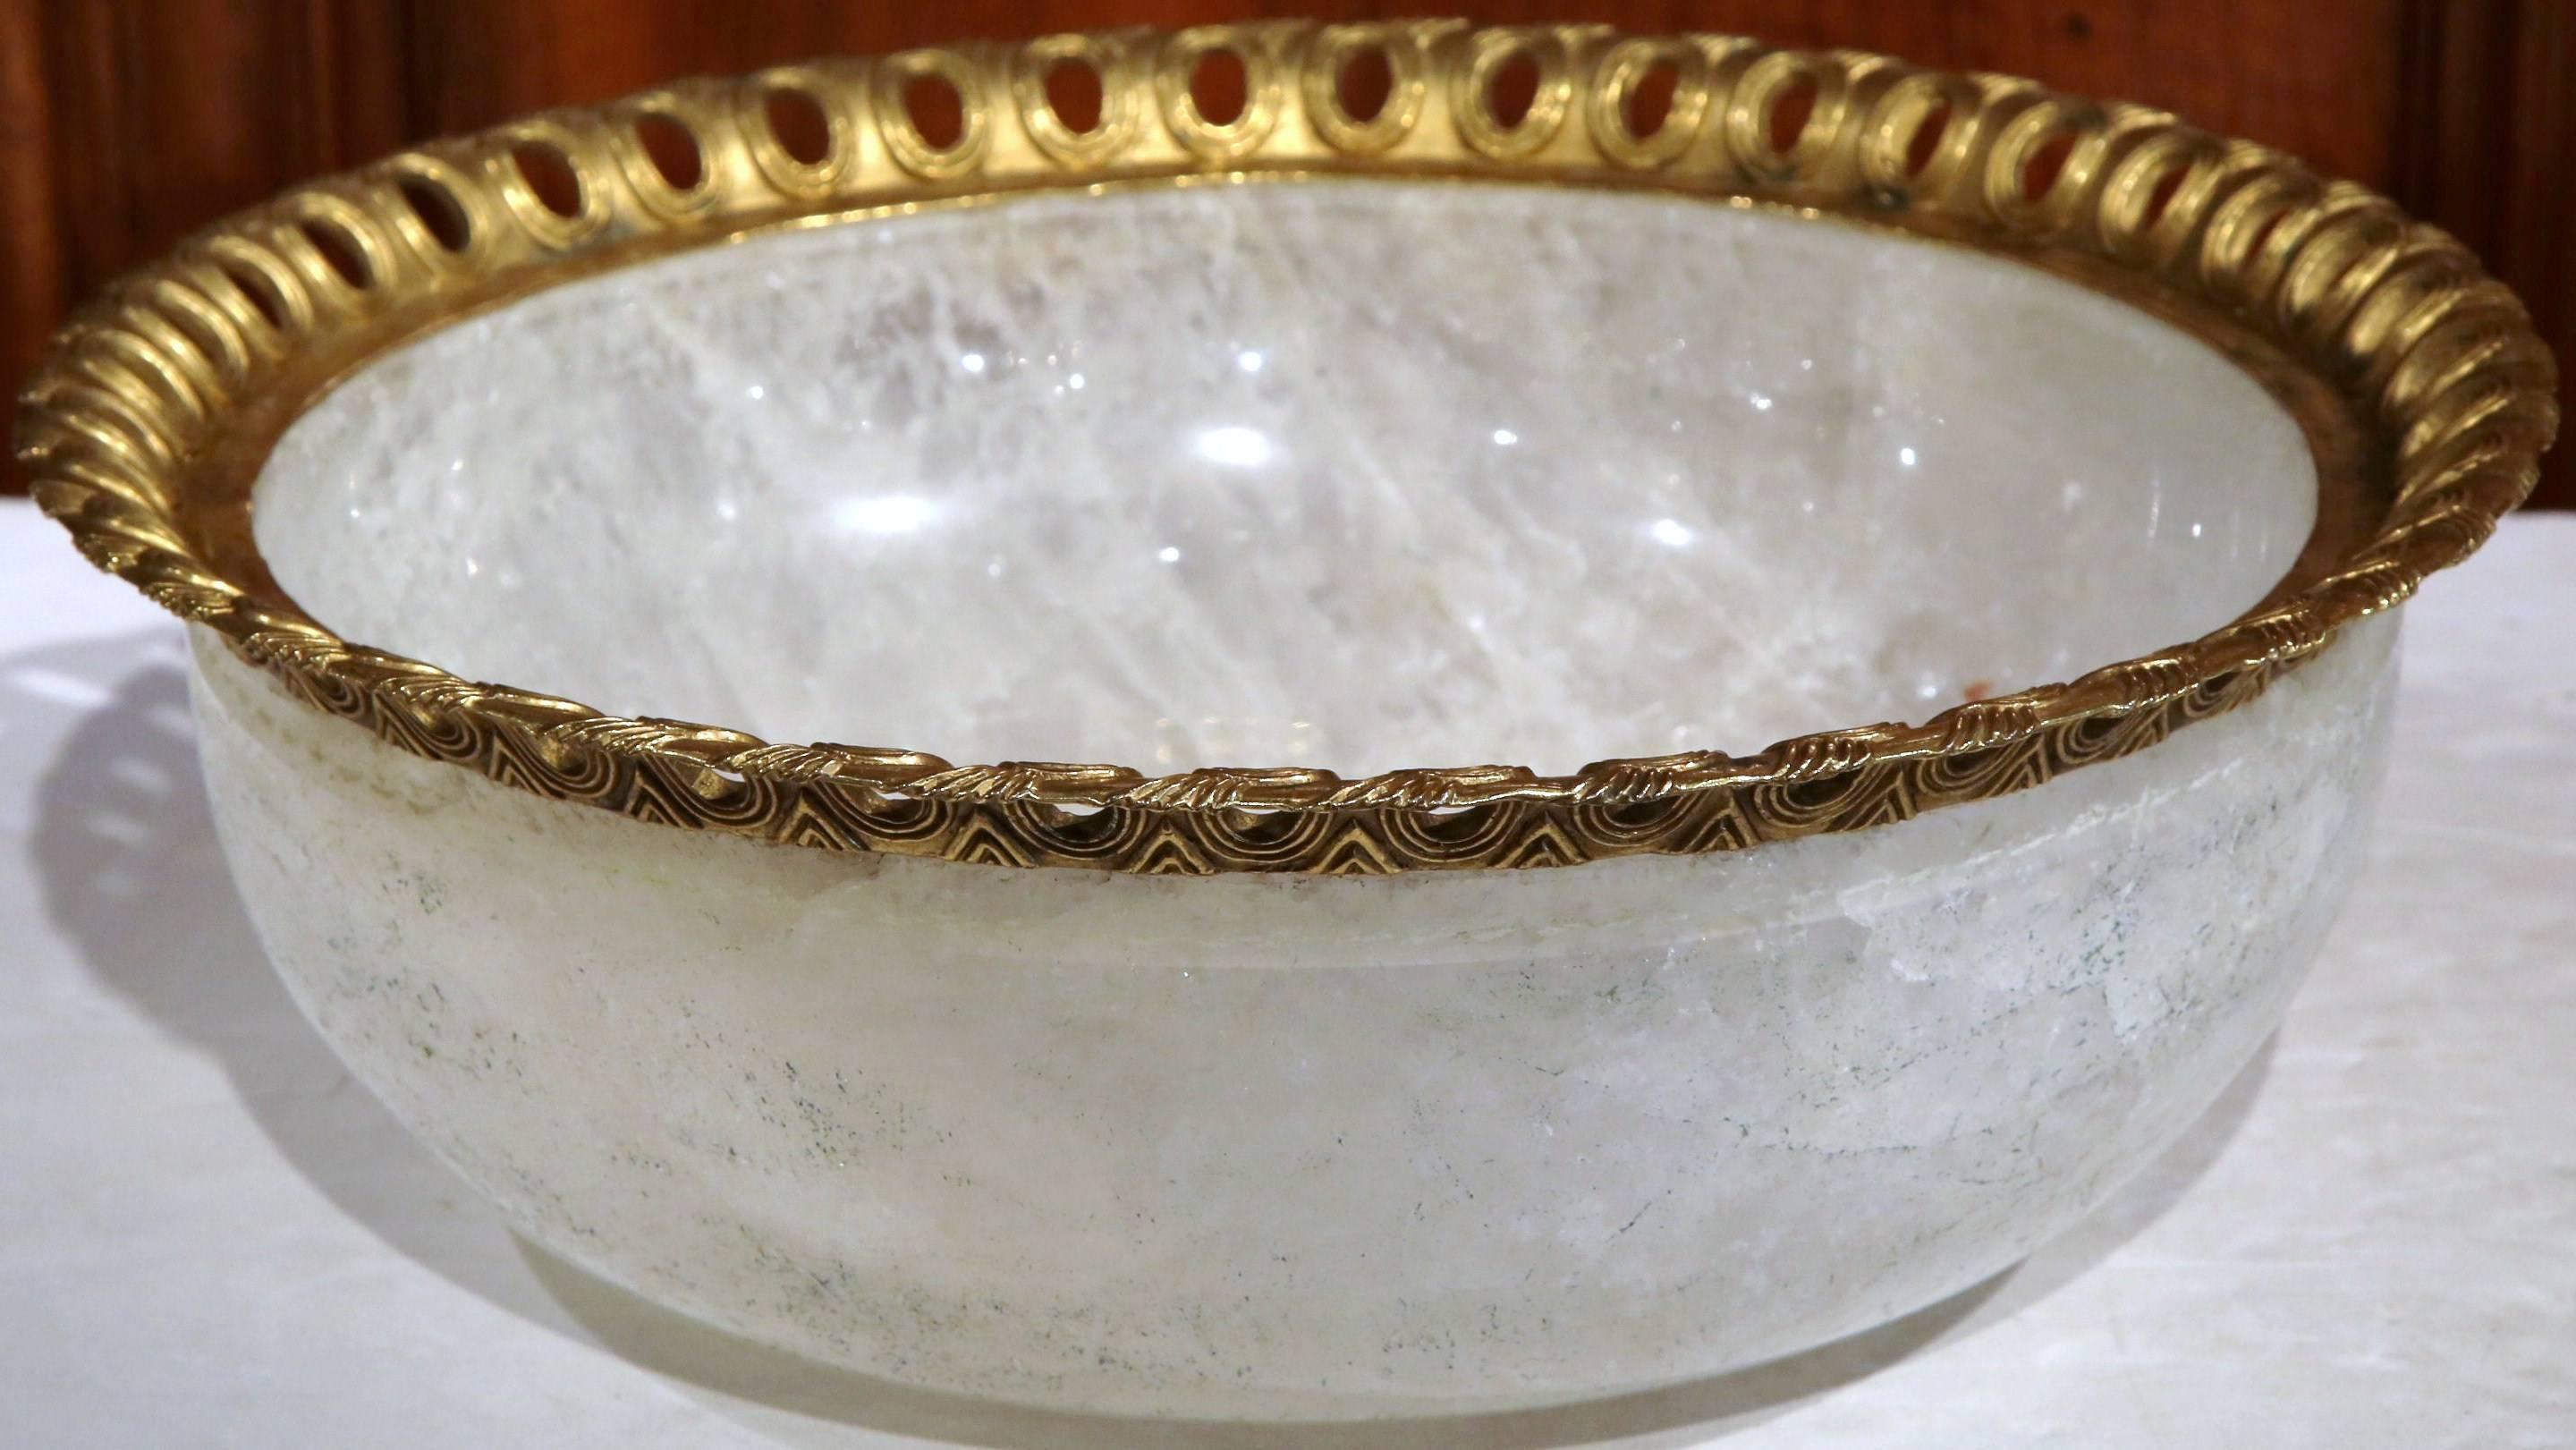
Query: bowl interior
1359,474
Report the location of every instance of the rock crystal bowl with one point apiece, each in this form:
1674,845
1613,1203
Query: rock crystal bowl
1401,486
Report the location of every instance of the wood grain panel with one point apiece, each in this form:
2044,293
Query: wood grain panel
170,113
146,120
33,272
2490,90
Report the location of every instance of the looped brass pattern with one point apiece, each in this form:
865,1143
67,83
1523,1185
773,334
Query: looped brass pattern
912,150
1408,83
1622,67
816,179
148,420
581,153
692,111
1485,54
1109,59
1265,90
1759,90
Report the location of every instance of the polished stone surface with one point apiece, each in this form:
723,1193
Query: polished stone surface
1351,475
1359,475
2365,1245
1272,1146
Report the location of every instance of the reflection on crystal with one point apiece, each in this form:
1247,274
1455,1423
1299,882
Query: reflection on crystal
1235,447
1450,516
893,513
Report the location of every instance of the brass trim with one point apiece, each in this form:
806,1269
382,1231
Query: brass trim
2424,389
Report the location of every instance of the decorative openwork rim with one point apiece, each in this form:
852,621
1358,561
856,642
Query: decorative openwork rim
147,423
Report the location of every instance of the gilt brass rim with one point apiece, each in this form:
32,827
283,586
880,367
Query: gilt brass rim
2421,383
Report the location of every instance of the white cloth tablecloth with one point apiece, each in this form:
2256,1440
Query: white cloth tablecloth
211,1235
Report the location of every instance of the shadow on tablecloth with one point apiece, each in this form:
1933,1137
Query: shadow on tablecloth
130,871
128,862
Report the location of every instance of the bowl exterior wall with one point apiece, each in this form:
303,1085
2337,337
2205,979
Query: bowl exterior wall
1283,1146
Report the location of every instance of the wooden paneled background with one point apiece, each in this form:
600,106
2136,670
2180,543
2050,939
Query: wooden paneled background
124,123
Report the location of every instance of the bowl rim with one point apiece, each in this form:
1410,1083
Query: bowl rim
2424,391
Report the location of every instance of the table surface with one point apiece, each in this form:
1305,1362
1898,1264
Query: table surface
211,1235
